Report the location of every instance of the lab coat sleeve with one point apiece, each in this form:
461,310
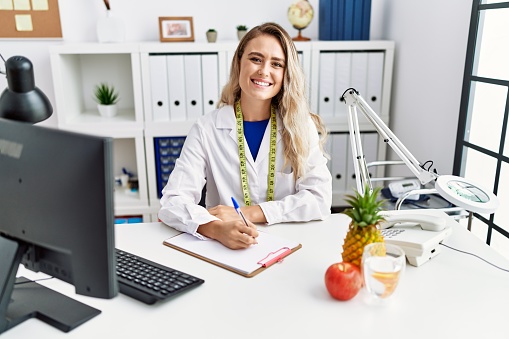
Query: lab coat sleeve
313,192
181,195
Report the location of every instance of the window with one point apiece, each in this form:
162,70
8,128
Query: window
482,147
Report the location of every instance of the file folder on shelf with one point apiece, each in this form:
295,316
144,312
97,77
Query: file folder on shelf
176,87
247,262
159,88
375,80
342,80
326,86
210,75
193,85
339,161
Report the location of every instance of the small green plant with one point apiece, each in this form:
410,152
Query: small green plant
241,28
105,94
211,30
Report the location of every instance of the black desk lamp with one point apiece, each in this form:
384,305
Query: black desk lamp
21,100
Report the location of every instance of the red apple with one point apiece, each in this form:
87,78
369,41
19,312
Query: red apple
343,280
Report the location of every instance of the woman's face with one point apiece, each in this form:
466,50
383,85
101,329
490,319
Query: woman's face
262,68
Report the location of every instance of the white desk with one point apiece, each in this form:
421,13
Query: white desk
452,296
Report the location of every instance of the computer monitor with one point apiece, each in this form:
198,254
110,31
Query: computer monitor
56,217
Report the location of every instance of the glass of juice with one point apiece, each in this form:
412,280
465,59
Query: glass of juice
382,267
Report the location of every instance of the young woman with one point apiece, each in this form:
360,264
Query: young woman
261,146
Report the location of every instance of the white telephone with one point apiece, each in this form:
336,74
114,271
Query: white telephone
417,232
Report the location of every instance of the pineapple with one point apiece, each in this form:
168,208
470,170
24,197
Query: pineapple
363,229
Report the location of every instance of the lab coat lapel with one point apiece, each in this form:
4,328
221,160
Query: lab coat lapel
226,119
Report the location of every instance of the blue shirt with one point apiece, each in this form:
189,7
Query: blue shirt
253,132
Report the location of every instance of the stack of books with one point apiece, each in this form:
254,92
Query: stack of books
344,19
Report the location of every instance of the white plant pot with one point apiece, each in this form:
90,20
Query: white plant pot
107,111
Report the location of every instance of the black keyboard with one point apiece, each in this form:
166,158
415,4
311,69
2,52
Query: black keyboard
148,281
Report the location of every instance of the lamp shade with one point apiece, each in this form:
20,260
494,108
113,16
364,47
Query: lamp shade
467,194
21,100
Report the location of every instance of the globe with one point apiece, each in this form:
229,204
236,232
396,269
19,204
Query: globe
300,14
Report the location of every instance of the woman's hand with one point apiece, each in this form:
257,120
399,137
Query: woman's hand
233,234
227,213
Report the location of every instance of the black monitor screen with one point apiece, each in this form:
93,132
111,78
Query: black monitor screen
56,208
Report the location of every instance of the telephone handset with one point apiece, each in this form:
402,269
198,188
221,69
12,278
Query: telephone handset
417,232
427,222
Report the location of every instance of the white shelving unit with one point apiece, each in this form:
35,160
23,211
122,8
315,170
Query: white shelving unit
77,68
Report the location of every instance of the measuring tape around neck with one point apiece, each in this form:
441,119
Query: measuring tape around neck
242,154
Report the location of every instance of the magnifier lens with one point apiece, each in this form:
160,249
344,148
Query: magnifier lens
468,191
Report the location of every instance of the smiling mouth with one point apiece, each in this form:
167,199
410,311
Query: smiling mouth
261,83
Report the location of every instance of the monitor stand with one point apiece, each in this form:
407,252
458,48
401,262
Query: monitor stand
22,299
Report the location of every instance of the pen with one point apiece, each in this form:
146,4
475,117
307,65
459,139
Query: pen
237,208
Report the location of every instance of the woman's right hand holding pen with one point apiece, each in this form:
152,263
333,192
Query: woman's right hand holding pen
234,234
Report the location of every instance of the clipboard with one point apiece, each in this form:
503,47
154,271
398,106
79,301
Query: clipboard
247,262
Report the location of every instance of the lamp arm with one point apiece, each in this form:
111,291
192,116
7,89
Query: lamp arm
354,100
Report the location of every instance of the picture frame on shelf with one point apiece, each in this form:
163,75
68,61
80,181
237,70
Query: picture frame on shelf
176,29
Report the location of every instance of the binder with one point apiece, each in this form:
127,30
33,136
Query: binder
246,262
348,19
338,15
326,93
350,181
343,66
159,88
358,13
339,161
359,76
366,20
327,147
326,22
370,149
370,146
193,84
375,81
176,87
210,74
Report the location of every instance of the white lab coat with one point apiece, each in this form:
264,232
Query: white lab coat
210,151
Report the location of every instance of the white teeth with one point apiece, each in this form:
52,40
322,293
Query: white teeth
261,83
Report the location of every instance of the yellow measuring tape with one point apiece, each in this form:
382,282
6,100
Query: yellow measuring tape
242,154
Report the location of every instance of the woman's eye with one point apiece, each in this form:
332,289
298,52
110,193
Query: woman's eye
279,65
254,59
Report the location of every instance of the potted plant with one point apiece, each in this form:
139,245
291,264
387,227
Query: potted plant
106,98
211,35
241,31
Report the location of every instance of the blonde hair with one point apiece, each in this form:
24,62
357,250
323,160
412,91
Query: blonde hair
291,101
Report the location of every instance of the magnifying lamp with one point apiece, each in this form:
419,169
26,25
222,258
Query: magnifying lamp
457,190
22,100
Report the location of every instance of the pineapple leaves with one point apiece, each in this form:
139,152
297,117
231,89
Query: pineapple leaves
364,208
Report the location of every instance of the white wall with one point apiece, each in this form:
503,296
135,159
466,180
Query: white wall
430,41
